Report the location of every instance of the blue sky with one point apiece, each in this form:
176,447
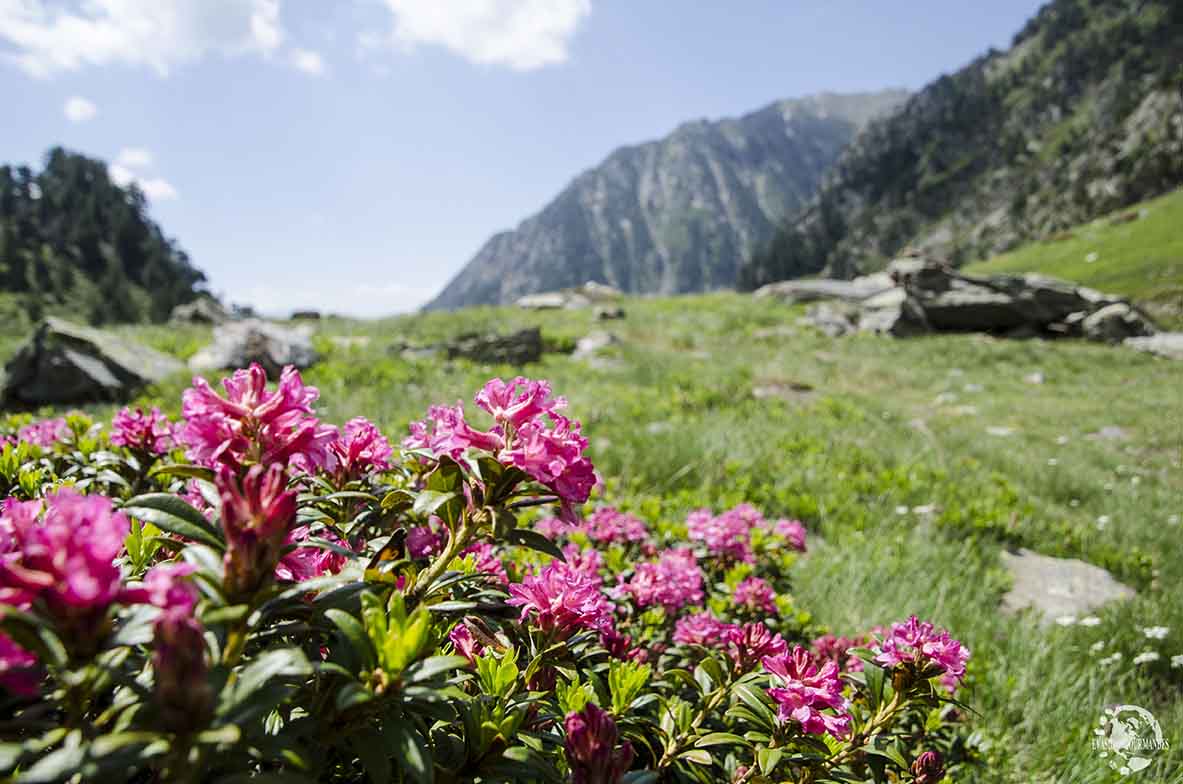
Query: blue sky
352,155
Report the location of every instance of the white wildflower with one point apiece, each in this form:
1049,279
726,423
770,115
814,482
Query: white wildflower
1090,620
1177,661
1109,661
1066,620
1156,632
1146,657
1097,647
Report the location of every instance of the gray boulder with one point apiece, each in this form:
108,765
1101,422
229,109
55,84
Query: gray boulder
1164,344
519,348
571,299
1114,323
203,310
593,343
239,343
1058,588
812,290
64,363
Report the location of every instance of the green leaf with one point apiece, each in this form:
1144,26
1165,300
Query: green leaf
413,755
697,755
535,541
720,739
768,759
431,667
173,514
875,677
754,700
355,636
429,501
373,753
282,663
184,471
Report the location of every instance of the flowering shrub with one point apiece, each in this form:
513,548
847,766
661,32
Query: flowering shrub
252,592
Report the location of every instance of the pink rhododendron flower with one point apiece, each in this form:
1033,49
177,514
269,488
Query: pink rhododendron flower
464,642
254,425
749,644
529,434
446,432
920,643
151,433
306,562
361,449
674,581
256,517
64,557
792,531
928,768
165,586
552,527
183,691
45,433
562,600
195,499
701,629
487,561
805,691
727,535
423,542
829,648
585,560
19,671
620,646
519,401
607,525
756,595
591,747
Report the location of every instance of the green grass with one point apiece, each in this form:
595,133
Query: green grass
887,424
1141,259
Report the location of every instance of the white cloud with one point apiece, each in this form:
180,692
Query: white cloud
308,61
79,110
123,173
520,34
134,158
46,37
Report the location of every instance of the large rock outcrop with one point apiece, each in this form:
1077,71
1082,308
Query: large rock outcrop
929,296
239,343
65,364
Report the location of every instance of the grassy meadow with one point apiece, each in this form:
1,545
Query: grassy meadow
913,463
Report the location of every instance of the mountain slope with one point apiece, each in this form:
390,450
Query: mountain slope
673,215
75,244
1082,115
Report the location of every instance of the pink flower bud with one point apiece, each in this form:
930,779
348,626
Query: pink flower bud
256,517
592,750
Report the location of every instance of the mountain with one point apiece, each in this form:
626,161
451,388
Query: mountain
74,243
674,215
1081,116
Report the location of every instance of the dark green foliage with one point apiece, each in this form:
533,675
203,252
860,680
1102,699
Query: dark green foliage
72,241
1081,116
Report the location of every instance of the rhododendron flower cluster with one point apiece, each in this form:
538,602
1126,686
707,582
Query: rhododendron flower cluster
423,542
673,581
701,629
607,525
306,561
530,434
792,531
253,425
806,692
361,449
829,648
592,747
919,643
61,553
751,643
756,595
562,601
487,562
150,433
729,535
45,433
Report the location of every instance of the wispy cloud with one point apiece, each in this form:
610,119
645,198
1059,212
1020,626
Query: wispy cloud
129,168
134,158
79,110
518,34
308,61
46,38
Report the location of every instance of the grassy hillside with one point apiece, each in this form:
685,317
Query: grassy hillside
1141,258
913,463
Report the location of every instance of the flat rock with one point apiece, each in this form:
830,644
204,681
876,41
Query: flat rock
239,343
1164,344
812,290
593,343
64,363
203,310
1058,587
570,299
518,348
